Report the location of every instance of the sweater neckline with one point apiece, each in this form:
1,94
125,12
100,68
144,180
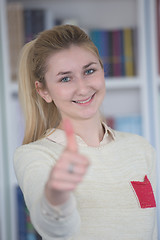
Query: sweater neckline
58,136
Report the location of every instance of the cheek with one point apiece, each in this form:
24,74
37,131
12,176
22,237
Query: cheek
100,83
62,93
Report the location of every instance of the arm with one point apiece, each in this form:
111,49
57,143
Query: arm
48,186
32,167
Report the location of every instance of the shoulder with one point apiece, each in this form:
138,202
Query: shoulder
134,139
138,146
37,146
40,149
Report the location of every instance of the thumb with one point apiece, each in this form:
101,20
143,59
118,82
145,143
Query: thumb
70,135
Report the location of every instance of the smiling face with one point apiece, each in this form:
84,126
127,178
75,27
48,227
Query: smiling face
75,82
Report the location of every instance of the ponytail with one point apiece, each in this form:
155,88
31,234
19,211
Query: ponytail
39,115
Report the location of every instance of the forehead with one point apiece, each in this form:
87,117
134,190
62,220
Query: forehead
72,56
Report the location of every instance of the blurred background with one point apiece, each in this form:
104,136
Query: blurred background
127,35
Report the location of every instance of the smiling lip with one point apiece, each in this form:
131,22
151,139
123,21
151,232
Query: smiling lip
85,101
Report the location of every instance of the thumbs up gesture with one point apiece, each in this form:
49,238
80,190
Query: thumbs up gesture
68,171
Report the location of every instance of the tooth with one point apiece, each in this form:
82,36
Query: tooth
84,101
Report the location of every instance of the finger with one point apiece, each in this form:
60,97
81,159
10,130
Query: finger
78,169
68,157
71,139
63,186
67,177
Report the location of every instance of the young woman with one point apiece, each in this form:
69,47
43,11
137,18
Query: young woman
81,180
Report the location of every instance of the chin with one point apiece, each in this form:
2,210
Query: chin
88,115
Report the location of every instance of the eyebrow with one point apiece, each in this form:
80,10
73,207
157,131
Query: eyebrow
89,64
84,67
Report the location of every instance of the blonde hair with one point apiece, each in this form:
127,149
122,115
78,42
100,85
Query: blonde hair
40,115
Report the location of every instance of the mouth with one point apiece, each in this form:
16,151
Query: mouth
85,100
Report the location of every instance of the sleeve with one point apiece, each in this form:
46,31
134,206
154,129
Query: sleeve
32,168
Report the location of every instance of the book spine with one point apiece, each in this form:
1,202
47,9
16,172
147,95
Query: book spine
135,50
128,49
110,122
110,54
38,21
104,50
34,22
31,233
122,54
101,40
28,25
116,53
21,215
25,229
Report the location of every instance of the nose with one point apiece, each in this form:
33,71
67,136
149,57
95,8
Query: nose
82,86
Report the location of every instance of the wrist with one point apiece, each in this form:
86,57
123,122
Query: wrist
55,197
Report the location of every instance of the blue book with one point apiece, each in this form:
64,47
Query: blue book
38,21
26,230
31,233
122,55
104,41
131,124
28,25
21,215
101,39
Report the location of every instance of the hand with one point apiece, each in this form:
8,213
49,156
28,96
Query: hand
68,171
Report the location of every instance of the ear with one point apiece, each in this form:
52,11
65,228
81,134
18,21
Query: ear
43,92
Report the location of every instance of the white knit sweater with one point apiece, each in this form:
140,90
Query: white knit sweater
105,206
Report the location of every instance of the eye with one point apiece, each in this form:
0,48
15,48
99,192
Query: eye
89,71
65,79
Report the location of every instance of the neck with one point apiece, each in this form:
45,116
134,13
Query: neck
90,130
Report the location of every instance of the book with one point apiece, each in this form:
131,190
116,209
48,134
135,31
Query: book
104,51
122,54
15,35
117,66
103,40
128,52
28,25
25,229
21,215
31,233
34,23
131,124
110,122
117,49
38,21
110,53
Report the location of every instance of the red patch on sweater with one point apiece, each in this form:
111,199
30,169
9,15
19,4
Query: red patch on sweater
144,193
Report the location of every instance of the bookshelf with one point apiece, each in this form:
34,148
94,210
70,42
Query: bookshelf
155,87
139,92
121,83
5,208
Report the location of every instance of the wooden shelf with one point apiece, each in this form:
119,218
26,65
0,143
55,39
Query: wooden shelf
122,83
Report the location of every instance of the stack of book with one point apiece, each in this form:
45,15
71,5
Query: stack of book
131,124
23,26
15,35
25,229
117,49
34,23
